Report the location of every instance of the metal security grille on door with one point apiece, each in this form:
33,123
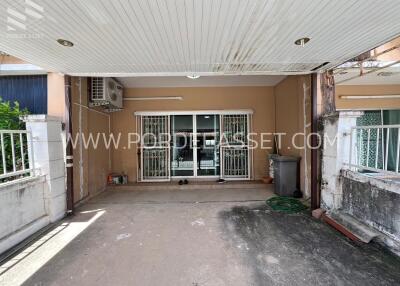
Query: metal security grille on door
155,148
235,146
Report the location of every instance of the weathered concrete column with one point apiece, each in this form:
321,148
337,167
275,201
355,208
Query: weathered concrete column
337,130
48,155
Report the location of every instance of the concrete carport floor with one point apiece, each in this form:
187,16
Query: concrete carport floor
201,237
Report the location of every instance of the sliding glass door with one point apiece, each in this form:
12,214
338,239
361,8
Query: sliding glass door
207,147
182,157
197,145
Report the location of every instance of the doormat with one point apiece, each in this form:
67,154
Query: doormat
286,205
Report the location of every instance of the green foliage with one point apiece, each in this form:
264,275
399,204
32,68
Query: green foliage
9,116
10,120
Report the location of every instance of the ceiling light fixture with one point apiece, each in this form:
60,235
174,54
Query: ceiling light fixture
385,74
302,42
193,76
65,43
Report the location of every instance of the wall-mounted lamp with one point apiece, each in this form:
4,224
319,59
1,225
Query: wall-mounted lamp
383,96
153,98
193,76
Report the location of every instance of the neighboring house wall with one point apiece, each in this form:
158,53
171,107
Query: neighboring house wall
293,102
259,99
366,104
372,201
29,91
91,165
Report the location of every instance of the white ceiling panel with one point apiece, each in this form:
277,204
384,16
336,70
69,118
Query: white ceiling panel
205,81
208,37
388,76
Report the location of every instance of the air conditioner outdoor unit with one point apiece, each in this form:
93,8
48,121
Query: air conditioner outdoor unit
106,92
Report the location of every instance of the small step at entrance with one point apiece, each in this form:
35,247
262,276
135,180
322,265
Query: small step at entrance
251,185
350,226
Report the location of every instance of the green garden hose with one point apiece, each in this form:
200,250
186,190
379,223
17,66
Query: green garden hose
286,205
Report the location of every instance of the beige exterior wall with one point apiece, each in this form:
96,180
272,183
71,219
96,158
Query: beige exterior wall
287,98
12,60
56,95
392,55
365,104
90,169
259,99
293,103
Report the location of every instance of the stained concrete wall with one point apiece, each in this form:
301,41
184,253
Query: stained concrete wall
374,202
335,153
371,201
22,211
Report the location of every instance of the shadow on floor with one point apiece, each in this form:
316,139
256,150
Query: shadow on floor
296,249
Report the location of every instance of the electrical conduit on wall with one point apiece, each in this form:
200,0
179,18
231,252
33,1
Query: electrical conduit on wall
80,140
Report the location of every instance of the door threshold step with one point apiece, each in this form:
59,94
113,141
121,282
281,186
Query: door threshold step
350,226
190,186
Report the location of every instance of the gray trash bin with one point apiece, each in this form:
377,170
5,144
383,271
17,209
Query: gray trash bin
271,158
285,175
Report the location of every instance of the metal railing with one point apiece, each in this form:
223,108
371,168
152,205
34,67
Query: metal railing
16,159
375,148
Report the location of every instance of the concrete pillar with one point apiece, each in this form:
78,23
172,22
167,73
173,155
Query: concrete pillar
48,156
336,151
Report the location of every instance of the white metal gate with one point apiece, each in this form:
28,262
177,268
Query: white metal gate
154,148
235,149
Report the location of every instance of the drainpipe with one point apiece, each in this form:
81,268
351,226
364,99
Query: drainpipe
69,150
315,191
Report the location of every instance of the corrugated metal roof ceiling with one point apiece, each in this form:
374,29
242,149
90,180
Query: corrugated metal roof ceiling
174,37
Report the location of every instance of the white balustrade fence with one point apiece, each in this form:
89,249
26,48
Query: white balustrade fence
375,148
16,160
